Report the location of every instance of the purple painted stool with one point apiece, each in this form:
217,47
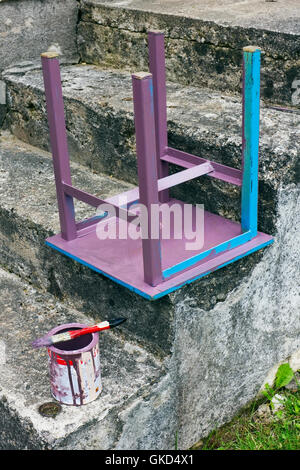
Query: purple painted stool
154,266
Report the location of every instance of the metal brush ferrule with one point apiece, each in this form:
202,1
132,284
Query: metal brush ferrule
61,337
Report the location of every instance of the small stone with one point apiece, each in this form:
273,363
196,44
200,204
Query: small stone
221,297
294,384
278,402
263,412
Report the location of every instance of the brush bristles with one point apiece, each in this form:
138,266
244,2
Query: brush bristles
48,340
41,342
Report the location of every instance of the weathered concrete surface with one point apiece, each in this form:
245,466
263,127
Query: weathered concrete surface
128,372
247,13
220,336
99,115
203,40
29,27
221,356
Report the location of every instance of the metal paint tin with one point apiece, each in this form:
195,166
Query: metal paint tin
75,367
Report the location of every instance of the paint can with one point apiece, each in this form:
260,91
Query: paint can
74,367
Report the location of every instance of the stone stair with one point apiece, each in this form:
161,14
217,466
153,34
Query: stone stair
188,362
203,40
128,372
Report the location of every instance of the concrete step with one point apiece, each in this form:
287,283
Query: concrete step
101,135
29,27
218,337
128,375
203,40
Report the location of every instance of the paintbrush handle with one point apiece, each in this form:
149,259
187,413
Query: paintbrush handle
68,335
90,329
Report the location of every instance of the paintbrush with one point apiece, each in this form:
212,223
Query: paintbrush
68,335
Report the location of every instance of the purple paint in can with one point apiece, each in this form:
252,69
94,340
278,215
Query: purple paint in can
75,367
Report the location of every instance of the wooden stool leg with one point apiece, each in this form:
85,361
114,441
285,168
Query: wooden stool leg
158,70
251,97
147,169
58,141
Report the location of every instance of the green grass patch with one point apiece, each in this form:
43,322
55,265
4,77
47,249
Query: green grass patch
254,430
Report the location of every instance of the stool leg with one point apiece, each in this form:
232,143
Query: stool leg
147,170
157,68
58,141
250,144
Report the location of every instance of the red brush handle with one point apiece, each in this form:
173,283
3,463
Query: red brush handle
89,329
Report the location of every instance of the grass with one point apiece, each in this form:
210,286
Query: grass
275,430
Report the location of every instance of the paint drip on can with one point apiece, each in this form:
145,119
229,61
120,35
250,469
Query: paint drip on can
75,367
